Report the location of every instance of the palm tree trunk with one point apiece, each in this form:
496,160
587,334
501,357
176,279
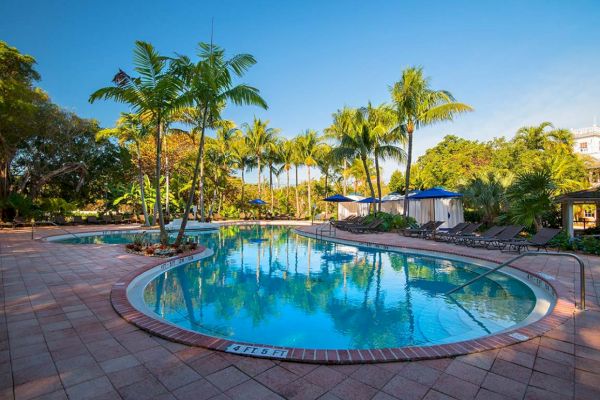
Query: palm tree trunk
259,167
378,179
310,211
407,181
166,173
368,177
197,166
142,190
243,184
326,195
271,187
297,198
201,202
287,195
164,237
344,179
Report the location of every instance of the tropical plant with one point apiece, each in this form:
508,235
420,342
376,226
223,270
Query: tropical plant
286,157
530,197
259,138
130,130
486,195
208,86
152,94
418,105
308,150
388,135
243,159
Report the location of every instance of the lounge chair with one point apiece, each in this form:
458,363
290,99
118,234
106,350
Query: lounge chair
509,233
446,235
540,240
60,220
118,219
468,231
92,220
491,233
18,221
106,219
423,230
346,225
77,220
373,226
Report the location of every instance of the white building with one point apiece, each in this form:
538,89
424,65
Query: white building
587,141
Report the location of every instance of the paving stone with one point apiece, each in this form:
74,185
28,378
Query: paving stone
405,389
352,389
227,378
504,386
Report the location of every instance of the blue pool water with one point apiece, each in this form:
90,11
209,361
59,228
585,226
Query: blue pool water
269,285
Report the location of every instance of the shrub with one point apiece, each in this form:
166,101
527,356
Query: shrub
140,239
391,221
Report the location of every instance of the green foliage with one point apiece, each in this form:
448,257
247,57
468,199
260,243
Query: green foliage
141,239
390,221
397,182
530,198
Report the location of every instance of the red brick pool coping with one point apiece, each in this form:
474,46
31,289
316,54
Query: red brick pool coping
562,311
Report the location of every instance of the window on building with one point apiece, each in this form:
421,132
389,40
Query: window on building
583,146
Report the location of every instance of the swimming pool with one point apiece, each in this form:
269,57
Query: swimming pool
268,285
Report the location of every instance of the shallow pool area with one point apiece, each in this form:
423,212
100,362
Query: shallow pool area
268,285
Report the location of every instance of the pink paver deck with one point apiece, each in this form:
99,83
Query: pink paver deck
59,337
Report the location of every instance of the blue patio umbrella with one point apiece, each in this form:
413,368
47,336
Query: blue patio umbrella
338,198
258,202
370,200
435,193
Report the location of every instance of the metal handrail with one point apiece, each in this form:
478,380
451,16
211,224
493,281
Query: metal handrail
321,229
54,224
535,253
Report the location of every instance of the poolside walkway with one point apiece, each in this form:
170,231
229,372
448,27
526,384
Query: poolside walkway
60,338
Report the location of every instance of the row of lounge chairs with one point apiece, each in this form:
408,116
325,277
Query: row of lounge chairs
504,238
77,220
358,225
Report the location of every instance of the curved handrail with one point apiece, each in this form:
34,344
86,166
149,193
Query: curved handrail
535,253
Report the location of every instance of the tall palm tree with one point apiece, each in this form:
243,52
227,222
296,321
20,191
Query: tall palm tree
130,129
271,159
297,161
308,150
388,134
259,137
209,87
418,105
243,159
540,136
325,164
286,157
152,94
358,143
342,124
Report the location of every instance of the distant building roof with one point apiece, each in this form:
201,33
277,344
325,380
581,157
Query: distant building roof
582,195
586,132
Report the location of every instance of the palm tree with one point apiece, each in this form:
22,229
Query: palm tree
486,194
152,94
342,124
358,143
130,129
259,137
243,159
308,150
325,164
208,87
286,157
540,136
530,197
418,105
297,161
387,135
272,158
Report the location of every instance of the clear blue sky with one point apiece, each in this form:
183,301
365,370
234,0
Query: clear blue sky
515,62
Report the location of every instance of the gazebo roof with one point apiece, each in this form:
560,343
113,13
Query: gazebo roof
592,194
